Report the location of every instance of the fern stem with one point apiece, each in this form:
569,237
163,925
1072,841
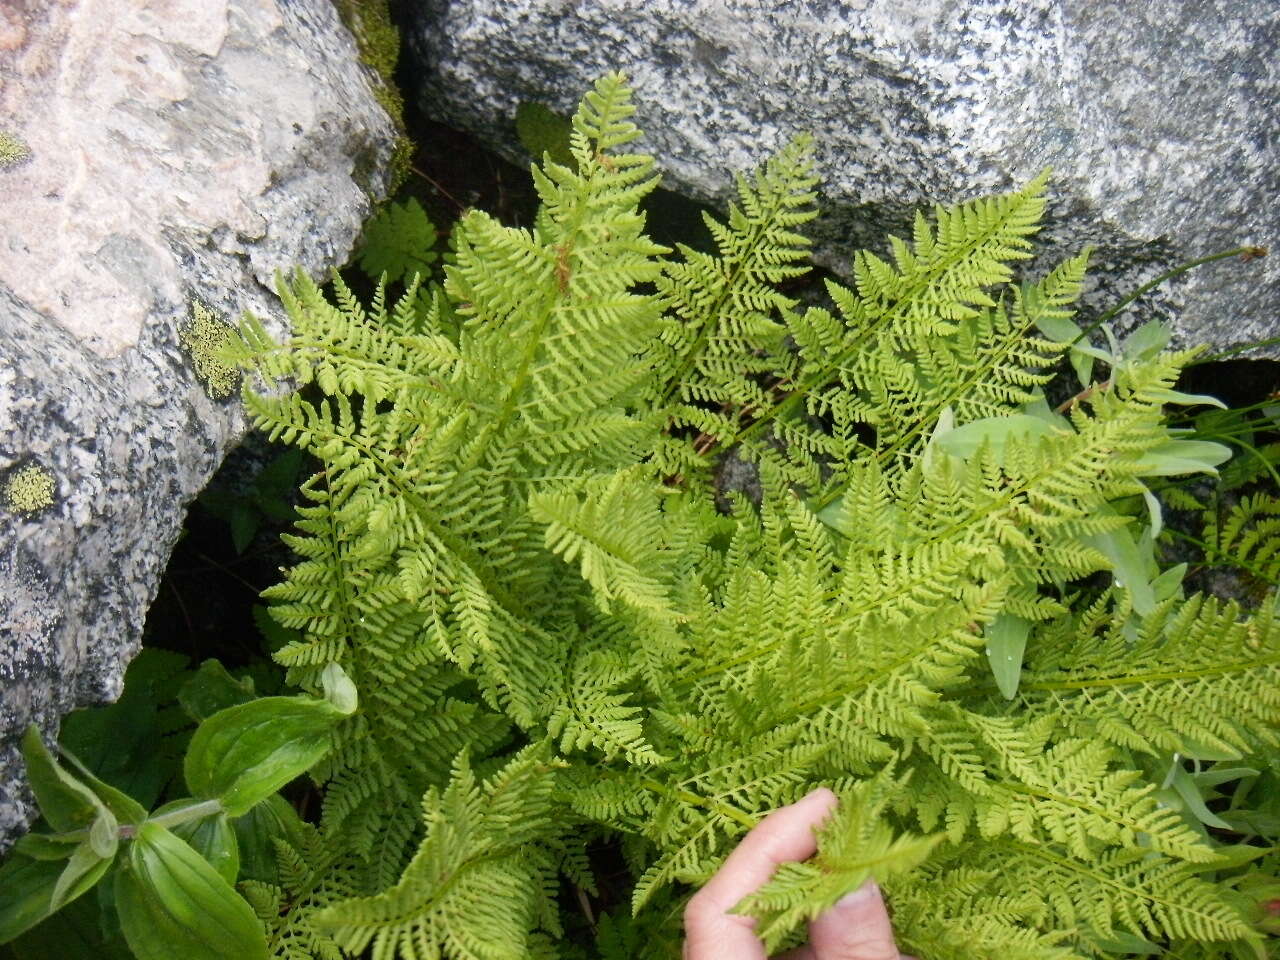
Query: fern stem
708,803
1132,679
1245,252
1225,354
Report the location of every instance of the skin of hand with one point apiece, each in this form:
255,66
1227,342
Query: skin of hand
855,928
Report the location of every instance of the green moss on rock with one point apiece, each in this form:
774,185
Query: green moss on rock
378,40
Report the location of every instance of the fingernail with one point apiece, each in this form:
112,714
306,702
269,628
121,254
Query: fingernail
860,897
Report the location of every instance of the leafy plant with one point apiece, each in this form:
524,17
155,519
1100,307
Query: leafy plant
171,871
571,634
267,499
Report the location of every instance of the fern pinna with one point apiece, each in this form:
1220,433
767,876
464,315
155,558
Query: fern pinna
513,545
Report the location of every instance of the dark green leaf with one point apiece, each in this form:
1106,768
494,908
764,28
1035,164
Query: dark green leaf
212,688
136,743
124,807
257,832
75,932
1122,941
172,903
279,478
543,131
65,802
46,846
26,888
244,754
244,524
275,635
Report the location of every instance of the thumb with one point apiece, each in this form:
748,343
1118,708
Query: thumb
855,928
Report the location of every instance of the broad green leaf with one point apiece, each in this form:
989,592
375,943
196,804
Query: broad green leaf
1154,510
256,835
1176,457
46,846
172,904
832,514
1055,327
1148,340
1197,750
1166,585
244,754
124,807
1081,360
1190,794
244,524
26,889
1006,637
964,441
212,688
82,871
104,836
214,839
1122,941
1183,399
1128,566
1039,408
1218,774
65,802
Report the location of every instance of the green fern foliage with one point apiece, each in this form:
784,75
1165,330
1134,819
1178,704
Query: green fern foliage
561,635
399,243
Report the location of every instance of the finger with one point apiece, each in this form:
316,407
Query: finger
855,928
711,932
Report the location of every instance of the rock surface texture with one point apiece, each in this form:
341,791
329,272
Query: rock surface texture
169,152
1159,119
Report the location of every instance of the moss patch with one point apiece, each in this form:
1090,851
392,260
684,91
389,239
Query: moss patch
28,489
378,40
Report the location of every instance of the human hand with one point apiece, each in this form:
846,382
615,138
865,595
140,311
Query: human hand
855,928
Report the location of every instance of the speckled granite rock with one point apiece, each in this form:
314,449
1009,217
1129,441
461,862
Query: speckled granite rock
173,150
1159,119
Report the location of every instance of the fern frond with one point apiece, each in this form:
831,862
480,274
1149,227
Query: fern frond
476,885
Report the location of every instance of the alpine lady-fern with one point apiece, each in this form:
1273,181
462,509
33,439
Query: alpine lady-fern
512,545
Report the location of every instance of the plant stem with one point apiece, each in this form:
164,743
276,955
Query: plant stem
1245,252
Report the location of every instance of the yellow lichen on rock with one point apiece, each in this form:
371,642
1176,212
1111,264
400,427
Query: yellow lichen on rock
203,337
29,489
12,150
